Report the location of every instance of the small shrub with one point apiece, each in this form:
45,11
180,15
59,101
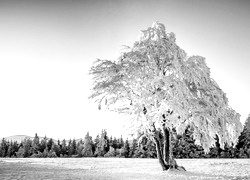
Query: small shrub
34,155
52,154
111,153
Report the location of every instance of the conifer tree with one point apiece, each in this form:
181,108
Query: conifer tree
15,148
133,147
35,144
110,141
150,149
10,149
103,145
64,149
50,144
185,147
68,147
43,144
29,147
126,149
244,139
59,148
79,148
96,142
159,86
3,148
87,146
114,143
120,143
56,148
72,148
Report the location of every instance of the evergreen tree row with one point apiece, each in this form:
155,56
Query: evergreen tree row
104,146
101,146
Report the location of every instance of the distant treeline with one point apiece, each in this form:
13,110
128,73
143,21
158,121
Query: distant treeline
104,146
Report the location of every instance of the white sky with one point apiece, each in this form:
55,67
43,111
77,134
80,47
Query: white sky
47,48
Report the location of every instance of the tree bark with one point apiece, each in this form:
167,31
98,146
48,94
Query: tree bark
159,153
166,145
168,149
165,153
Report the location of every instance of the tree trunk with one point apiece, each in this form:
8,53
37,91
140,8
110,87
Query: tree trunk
159,153
168,149
165,154
166,145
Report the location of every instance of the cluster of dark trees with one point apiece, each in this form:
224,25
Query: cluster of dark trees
104,146
101,146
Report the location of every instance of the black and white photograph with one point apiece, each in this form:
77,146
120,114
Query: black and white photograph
124,89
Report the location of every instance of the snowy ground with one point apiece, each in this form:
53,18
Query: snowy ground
121,169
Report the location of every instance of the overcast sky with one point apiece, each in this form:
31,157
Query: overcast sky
47,48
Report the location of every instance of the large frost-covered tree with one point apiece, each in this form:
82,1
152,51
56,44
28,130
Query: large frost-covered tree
160,87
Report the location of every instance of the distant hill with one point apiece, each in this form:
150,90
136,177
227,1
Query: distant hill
18,138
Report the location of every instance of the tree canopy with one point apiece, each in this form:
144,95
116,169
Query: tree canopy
157,84
244,138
